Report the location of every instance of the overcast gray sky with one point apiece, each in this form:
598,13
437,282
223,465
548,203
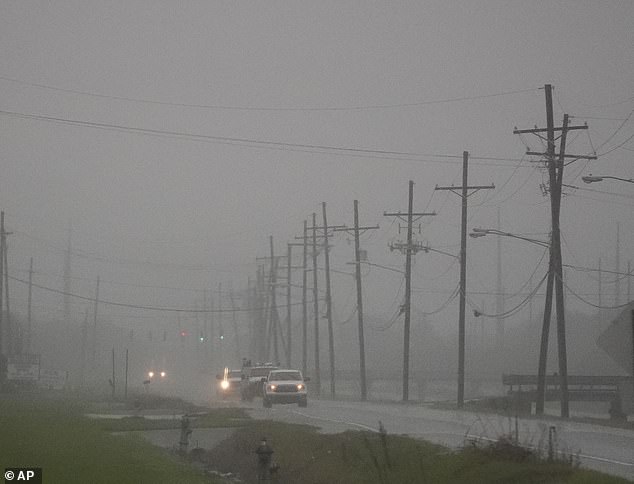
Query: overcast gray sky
186,133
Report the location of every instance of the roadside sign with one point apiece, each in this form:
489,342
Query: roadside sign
53,379
25,367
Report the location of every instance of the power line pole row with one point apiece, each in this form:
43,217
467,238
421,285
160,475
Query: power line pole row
331,338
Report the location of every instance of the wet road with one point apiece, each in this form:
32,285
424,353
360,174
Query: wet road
604,449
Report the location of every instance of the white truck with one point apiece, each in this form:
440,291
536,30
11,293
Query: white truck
284,386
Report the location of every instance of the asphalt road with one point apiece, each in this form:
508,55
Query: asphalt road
604,449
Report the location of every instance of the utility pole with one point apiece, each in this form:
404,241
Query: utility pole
113,376
2,242
500,296
94,322
274,316
67,275
289,285
305,240
357,257
599,281
125,391
221,330
331,337
555,172
84,338
463,267
288,305
629,280
316,308
13,337
29,315
326,248
262,304
617,263
304,305
408,249
235,326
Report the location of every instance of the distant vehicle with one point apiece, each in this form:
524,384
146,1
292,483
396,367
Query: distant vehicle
229,383
157,375
285,386
252,380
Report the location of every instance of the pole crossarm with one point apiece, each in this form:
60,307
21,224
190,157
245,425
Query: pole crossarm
351,230
545,130
330,227
403,216
578,157
475,188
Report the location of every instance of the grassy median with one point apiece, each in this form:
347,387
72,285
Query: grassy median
73,449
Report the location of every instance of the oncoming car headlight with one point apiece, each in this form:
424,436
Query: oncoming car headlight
300,386
163,374
150,374
272,387
224,384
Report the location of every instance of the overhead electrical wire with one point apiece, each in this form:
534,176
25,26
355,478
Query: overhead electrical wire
145,307
512,311
266,144
268,108
453,295
619,306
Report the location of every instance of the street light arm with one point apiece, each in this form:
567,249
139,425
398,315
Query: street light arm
478,232
429,249
592,178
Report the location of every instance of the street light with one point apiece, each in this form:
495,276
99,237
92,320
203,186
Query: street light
478,232
543,349
592,178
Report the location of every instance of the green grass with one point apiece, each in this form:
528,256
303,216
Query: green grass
306,456
73,449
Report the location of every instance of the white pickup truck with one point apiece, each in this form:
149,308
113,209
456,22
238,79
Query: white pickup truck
285,386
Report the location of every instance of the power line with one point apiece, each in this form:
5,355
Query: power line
266,144
514,310
592,304
149,308
268,108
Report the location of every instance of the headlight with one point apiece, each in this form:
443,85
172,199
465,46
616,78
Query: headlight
224,384
272,387
300,386
151,374
163,374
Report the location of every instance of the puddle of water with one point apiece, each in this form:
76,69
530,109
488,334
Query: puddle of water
171,416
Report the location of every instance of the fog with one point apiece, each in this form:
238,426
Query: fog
165,142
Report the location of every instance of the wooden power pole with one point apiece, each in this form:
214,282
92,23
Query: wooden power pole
409,249
464,194
555,166
357,258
